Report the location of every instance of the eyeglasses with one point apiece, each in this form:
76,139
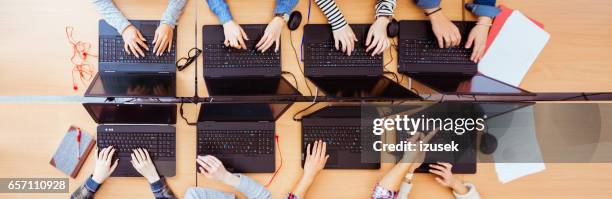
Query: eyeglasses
184,62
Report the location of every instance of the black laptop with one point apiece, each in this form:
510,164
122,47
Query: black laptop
151,85
113,58
420,54
222,61
463,160
131,126
340,127
241,135
251,89
321,59
359,88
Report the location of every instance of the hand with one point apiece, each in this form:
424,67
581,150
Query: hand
141,161
445,177
315,159
478,38
271,35
103,167
212,168
377,36
346,37
446,32
133,41
234,35
163,39
416,158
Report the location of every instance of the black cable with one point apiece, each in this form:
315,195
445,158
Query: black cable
298,62
297,120
183,113
394,75
297,86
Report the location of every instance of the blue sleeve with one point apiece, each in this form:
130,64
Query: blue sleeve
252,189
161,190
87,190
285,6
173,12
111,14
428,4
483,8
221,9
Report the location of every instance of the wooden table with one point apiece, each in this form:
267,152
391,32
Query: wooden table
34,61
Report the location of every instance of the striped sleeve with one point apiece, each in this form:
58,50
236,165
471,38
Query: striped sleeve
333,14
385,7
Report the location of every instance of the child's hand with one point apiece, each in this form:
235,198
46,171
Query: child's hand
345,37
103,167
163,39
315,159
445,177
377,40
133,41
234,35
141,161
271,35
212,168
478,38
446,32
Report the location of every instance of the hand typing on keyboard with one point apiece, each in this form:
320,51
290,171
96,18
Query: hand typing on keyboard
377,40
345,38
104,164
133,41
271,35
142,162
446,32
163,39
212,168
234,35
478,38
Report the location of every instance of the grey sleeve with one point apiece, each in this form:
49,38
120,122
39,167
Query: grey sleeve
471,194
111,14
252,189
204,193
173,12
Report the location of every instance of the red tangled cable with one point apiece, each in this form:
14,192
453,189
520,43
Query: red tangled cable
281,162
80,52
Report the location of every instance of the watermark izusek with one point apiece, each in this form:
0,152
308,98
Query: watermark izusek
412,125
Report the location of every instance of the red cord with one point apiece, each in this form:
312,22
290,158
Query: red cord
281,161
80,52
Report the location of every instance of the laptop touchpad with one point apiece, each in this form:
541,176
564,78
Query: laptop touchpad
333,157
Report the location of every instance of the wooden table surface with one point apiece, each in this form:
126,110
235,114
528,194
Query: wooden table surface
34,61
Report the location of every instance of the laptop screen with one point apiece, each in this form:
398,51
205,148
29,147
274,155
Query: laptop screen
132,113
232,112
132,85
477,84
363,87
269,86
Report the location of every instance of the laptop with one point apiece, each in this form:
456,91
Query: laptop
340,128
241,135
113,58
420,54
463,160
478,84
222,61
149,85
321,59
359,88
131,126
251,89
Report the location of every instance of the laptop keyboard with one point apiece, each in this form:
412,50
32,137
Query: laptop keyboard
324,54
249,142
112,50
220,56
429,52
345,138
157,144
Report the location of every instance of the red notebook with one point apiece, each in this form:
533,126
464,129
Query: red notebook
499,22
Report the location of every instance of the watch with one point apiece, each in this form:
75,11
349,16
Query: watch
283,16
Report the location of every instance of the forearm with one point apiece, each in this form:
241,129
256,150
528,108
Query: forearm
285,6
161,190
300,189
394,177
252,189
333,14
221,9
87,190
111,14
385,7
173,12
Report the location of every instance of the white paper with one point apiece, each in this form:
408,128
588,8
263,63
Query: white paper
518,153
514,50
